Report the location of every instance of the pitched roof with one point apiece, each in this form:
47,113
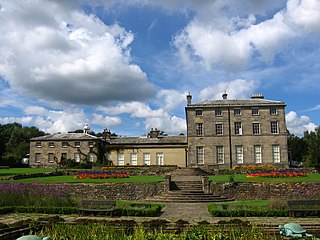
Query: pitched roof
165,140
237,103
65,136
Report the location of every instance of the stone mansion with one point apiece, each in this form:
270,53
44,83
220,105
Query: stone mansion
220,133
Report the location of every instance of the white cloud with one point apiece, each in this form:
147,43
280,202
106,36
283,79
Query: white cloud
54,54
168,124
169,99
298,125
234,41
105,121
236,89
23,120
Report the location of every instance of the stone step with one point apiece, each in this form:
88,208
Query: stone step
190,171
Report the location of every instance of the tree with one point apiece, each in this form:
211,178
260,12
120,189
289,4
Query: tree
14,141
297,148
312,139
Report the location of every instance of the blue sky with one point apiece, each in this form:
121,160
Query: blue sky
128,65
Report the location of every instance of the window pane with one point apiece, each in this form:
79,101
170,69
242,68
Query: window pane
257,154
219,129
218,112
38,157
77,157
276,153
199,112
160,159
64,144
200,157
239,154
199,129
38,144
255,111
51,144
273,111
77,144
133,159
220,155
256,128
50,157
238,128
146,158
120,159
274,127
237,111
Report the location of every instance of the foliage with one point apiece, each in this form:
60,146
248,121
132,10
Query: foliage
104,231
22,194
138,209
100,175
312,157
254,167
14,141
288,173
297,148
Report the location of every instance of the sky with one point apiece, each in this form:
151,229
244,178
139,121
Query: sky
128,65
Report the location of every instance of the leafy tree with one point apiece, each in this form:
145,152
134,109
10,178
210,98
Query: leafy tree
297,148
14,141
312,139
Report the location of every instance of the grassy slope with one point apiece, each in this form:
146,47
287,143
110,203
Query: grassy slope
243,178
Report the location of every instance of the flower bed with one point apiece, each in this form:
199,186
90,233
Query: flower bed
100,175
278,173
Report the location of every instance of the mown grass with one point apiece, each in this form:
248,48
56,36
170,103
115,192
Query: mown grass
71,179
16,171
312,177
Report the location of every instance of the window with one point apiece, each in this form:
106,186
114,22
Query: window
199,129
133,159
239,154
274,127
238,128
276,153
146,158
199,112
237,111
200,155
64,156
77,144
120,159
50,157
38,157
77,157
38,144
64,144
218,112
257,154
219,129
160,159
220,154
51,144
255,111
273,111
91,157
91,144
256,128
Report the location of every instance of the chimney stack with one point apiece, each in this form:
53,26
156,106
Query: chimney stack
189,98
154,133
257,96
225,95
106,134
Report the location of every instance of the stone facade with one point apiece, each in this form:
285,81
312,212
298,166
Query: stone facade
225,133
49,150
154,149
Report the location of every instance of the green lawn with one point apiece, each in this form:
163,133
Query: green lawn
15,171
312,177
70,179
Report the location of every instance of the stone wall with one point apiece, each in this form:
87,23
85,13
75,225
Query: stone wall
124,191
248,191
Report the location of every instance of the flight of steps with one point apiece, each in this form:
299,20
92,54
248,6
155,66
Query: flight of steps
186,186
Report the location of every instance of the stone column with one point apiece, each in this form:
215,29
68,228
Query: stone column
205,184
167,182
